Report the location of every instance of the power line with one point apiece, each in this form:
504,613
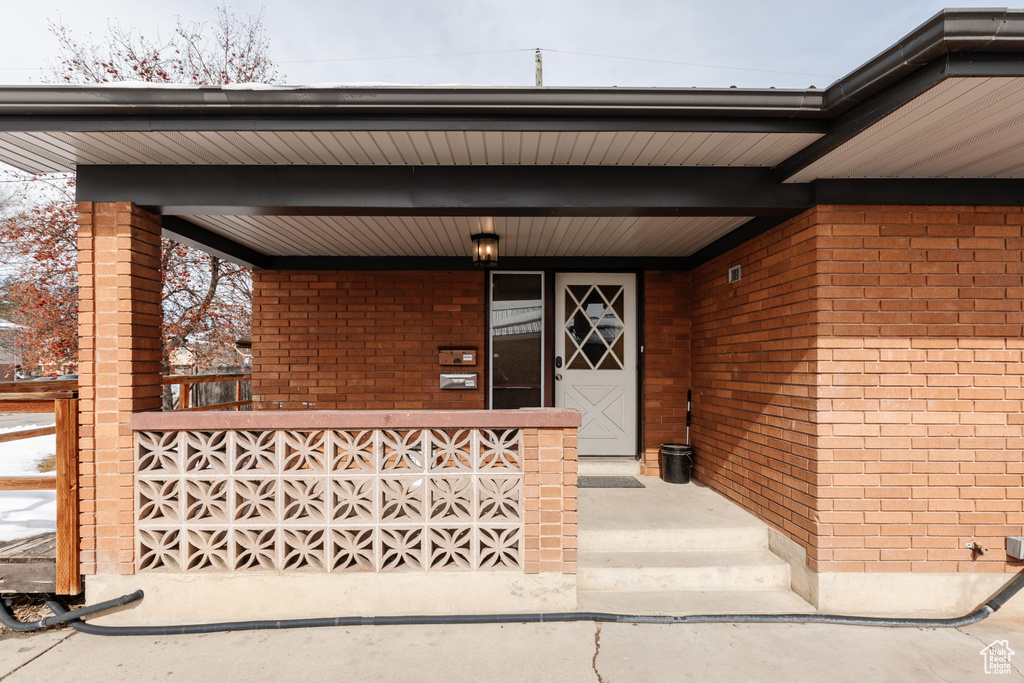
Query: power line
367,59
566,52
527,49
667,61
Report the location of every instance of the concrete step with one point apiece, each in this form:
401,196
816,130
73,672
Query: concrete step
755,569
608,467
670,539
679,603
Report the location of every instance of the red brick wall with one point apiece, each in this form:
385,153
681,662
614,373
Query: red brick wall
550,518
861,388
921,389
119,320
666,377
754,377
364,340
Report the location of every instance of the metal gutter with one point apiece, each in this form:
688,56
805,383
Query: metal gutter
949,31
98,100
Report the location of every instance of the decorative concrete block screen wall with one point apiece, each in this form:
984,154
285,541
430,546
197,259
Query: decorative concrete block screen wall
330,500
861,388
340,492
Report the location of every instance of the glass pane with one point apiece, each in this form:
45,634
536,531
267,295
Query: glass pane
579,326
578,291
594,348
617,349
570,345
517,321
617,304
511,398
595,305
610,363
579,363
610,328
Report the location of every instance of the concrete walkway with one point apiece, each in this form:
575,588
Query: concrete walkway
609,653
671,549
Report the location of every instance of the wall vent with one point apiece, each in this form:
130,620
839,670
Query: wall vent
735,273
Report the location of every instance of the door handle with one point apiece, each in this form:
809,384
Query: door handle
558,376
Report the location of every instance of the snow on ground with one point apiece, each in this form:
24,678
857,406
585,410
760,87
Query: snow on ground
26,513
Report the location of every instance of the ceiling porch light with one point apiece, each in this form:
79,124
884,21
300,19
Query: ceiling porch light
485,249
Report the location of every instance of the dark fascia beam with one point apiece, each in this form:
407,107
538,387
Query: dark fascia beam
181,230
877,192
859,192
725,123
857,119
444,190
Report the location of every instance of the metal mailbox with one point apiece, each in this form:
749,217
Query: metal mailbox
457,357
458,380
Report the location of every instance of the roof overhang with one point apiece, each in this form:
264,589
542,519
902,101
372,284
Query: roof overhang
286,176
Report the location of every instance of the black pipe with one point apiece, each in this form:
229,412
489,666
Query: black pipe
993,605
689,395
10,621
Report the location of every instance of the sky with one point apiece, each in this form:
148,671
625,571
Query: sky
765,43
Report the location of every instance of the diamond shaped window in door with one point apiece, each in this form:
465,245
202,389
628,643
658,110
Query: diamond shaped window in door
594,329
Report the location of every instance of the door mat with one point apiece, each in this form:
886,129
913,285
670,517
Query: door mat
592,482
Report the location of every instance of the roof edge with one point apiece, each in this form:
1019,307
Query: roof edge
949,31
92,100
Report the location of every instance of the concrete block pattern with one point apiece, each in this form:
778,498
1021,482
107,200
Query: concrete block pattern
329,500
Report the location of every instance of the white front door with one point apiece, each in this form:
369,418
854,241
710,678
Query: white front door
595,340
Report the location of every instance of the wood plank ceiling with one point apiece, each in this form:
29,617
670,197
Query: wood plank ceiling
449,235
961,128
43,152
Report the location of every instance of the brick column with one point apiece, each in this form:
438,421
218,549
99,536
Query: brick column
549,493
119,320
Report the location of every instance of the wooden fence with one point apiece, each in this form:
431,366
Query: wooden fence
60,398
186,382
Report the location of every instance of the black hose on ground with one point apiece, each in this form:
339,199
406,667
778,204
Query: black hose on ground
73,617
10,621
62,614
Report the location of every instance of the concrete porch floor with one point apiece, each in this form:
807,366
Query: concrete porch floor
514,652
660,506
567,653
677,549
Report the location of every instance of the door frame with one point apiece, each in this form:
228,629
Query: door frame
549,337
546,376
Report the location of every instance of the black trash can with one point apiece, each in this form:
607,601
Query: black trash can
677,460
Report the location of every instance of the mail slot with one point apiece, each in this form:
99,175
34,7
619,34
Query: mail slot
457,357
458,380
